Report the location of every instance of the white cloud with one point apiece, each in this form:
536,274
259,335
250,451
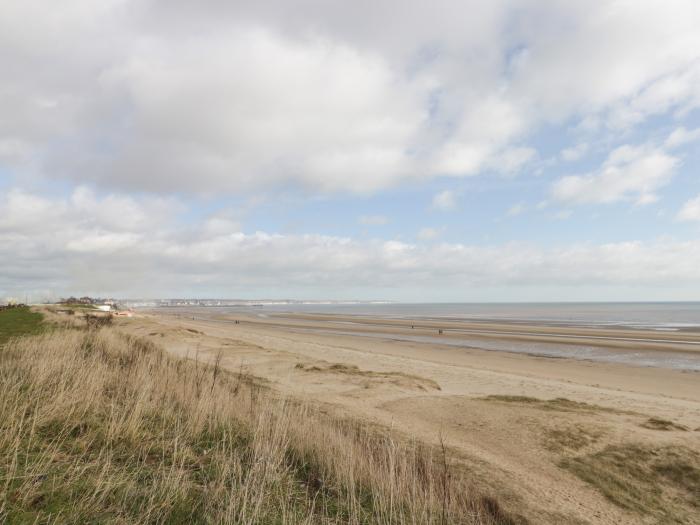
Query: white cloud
90,216
563,215
629,173
690,210
372,220
678,89
681,136
446,200
516,209
330,97
622,60
255,108
49,243
574,153
428,234
512,160
323,95
222,224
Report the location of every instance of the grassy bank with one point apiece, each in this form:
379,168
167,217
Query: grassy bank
18,322
100,427
660,483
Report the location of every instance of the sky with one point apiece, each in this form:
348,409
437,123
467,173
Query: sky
444,151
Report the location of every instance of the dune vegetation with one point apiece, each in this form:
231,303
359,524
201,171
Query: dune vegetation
661,483
19,321
97,426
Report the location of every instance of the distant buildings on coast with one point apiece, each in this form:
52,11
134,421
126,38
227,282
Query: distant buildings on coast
99,303
244,303
110,307
107,304
7,305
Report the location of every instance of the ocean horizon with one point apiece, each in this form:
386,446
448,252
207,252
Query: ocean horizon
663,316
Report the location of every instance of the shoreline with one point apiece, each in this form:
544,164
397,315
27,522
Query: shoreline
642,348
436,391
686,318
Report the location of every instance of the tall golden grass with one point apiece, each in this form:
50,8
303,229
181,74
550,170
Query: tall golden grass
96,426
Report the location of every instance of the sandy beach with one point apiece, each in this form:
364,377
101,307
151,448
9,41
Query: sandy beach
513,419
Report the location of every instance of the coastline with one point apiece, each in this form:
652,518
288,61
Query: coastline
437,391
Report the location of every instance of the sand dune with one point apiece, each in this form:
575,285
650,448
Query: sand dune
533,428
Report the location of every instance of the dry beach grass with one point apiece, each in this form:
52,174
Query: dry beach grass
535,432
98,426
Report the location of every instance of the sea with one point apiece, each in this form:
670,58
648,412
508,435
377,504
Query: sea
662,316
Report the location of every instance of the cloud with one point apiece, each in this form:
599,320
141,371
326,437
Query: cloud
563,215
512,160
428,234
372,220
629,173
690,210
52,244
446,200
258,109
621,62
677,89
321,95
516,209
681,136
574,153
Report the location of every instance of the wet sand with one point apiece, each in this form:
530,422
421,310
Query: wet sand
377,370
590,336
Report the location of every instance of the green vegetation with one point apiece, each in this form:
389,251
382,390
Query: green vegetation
98,427
663,482
15,322
77,306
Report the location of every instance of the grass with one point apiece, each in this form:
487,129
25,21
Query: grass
655,423
558,404
572,438
77,306
96,426
398,378
15,322
663,482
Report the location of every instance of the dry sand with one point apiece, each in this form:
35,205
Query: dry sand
436,391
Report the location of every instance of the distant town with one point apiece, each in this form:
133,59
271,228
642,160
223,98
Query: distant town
248,303
158,303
